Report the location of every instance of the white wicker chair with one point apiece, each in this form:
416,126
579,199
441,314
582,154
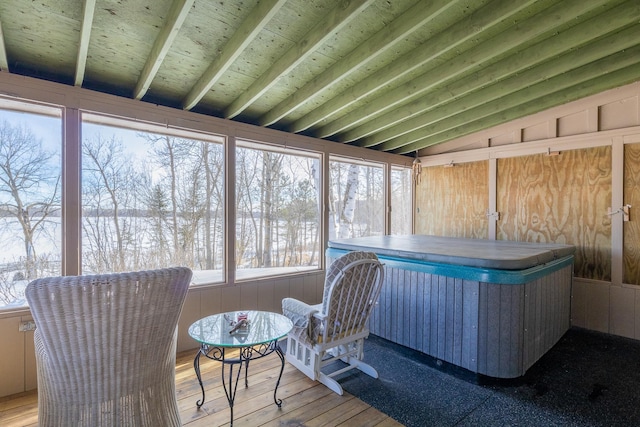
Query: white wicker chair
106,347
336,328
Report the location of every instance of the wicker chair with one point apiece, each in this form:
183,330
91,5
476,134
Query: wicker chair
336,328
106,347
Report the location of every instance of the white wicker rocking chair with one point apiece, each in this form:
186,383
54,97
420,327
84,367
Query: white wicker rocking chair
106,347
336,328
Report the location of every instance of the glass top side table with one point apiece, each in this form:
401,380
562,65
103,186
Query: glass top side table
254,338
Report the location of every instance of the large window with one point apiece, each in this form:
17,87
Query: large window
278,210
30,182
142,195
401,201
151,200
356,195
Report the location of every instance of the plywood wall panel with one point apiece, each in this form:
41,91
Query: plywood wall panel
12,357
313,284
598,303
504,139
623,319
614,109
281,291
619,114
265,292
210,301
631,253
560,199
535,132
190,313
30,367
636,313
249,295
579,303
573,124
453,201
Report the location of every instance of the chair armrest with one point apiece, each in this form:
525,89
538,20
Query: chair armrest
319,315
298,312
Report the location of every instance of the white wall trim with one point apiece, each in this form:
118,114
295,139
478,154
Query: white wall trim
564,143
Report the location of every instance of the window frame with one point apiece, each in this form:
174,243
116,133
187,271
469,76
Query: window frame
32,96
21,107
200,277
384,168
406,169
247,274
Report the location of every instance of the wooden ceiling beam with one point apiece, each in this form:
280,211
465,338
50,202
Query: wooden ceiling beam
397,31
444,41
333,22
510,74
175,18
515,37
89,8
246,33
609,72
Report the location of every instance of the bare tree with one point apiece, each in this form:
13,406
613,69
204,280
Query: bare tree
247,170
109,186
300,211
192,209
29,190
151,213
166,150
208,254
190,170
9,292
314,179
271,165
214,166
157,203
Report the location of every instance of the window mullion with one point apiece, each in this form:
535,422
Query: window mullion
230,208
71,192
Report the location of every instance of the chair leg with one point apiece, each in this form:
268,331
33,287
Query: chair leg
366,368
353,355
310,361
332,384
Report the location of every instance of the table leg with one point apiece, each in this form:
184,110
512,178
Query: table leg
196,367
230,383
230,389
281,355
246,374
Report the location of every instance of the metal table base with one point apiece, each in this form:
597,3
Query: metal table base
246,354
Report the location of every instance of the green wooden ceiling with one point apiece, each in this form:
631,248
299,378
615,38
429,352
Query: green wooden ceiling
392,75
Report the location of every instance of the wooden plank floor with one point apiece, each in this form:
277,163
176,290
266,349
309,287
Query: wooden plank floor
305,403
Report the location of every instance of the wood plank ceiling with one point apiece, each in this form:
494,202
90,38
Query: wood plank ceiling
392,75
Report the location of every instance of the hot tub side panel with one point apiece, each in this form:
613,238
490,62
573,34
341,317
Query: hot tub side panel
498,330
434,314
547,313
518,324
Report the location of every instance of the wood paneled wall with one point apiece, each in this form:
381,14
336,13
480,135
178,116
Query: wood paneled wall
607,298
541,198
631,253
453,201
560,199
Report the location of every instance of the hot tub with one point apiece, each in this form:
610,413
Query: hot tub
492,307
